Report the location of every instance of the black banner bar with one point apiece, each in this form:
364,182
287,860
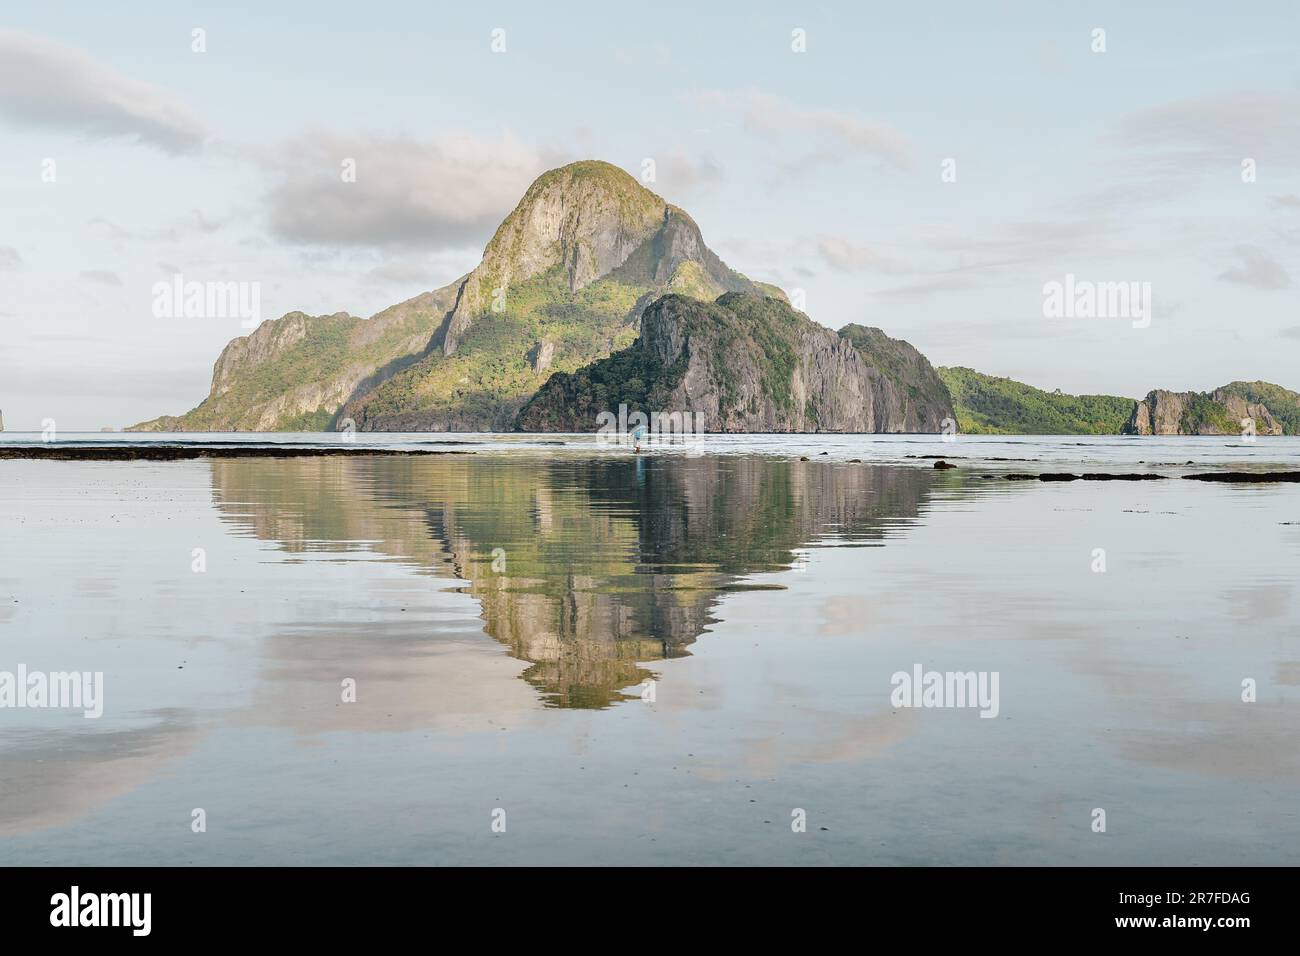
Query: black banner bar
331,905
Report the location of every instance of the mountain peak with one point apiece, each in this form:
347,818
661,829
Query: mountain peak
562,283
583,222
595,172
586,217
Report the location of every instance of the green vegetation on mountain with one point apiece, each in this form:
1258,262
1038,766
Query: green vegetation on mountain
293,373
988,405
562,284
551,322
1282,403
749,362
572,401
1203,415
1225,411
634,376
483,384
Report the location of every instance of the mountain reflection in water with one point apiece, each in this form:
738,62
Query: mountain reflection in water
584,568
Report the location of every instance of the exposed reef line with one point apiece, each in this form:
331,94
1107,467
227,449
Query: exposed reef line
188,452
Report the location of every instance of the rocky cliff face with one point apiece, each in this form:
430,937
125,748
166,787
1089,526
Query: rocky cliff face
906,387
750,363
562,283
1282,403
294,373
584,219
1220,412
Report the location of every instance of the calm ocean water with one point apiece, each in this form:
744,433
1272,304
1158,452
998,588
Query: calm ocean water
505,615
1117,451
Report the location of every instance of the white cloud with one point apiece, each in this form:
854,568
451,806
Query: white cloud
10,260
436,194
677,172
845,256
933,285
1212,132
44,83
772,116
971,259
185,225
1256,268
102,277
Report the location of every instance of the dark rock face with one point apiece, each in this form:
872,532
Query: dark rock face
541,355
750,363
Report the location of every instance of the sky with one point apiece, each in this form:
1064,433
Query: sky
927,168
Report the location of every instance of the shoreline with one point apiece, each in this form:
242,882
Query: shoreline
159,452
150,452
1272,477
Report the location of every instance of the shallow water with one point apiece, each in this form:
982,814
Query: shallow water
1011,452
502,612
